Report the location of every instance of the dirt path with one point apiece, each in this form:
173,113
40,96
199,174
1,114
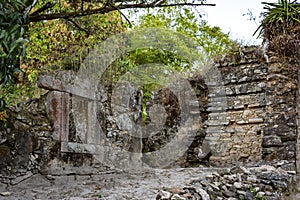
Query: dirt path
109,185
117,185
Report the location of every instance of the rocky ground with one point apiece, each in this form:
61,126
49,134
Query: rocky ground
256,182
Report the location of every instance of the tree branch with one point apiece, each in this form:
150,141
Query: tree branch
78,26
126,18
159,2
28,9
44,7
122,14
106,9
162,5
66,15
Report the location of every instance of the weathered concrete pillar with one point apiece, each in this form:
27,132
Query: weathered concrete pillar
84,106
58,108
78,95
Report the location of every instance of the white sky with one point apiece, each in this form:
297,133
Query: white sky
228,14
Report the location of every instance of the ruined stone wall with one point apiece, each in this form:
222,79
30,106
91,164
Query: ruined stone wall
249,115
235,130
260,118
280,134
26,143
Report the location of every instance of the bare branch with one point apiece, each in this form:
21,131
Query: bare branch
125,17
121,13
28,9
43,8
106,9
78,26
157,2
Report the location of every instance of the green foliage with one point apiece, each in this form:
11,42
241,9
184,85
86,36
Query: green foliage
64,43
256,195
13,25
282,13
58,44
280,28
15,93
149,67
50,45
213,41
279,15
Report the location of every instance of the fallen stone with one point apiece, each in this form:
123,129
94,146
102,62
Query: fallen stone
21,178
230,177
203,194
280,185
252,179
5,194
268,193
163,195
241,192
237,185
204,151
249,195
292,172
187,195
224,188
228,193
176,190
214,186
260,194
177,197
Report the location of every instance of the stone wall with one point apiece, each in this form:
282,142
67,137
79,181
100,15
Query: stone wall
26,144
251,114
248,115
235,129
280,133
260,118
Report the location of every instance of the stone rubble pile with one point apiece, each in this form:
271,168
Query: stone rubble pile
258,182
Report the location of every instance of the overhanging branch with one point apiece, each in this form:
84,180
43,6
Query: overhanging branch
106,9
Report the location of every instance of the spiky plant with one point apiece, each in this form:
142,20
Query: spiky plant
280,27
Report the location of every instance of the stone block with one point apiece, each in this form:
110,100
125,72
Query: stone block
241,122
256,120
271,141
287,152
67,81
217,123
